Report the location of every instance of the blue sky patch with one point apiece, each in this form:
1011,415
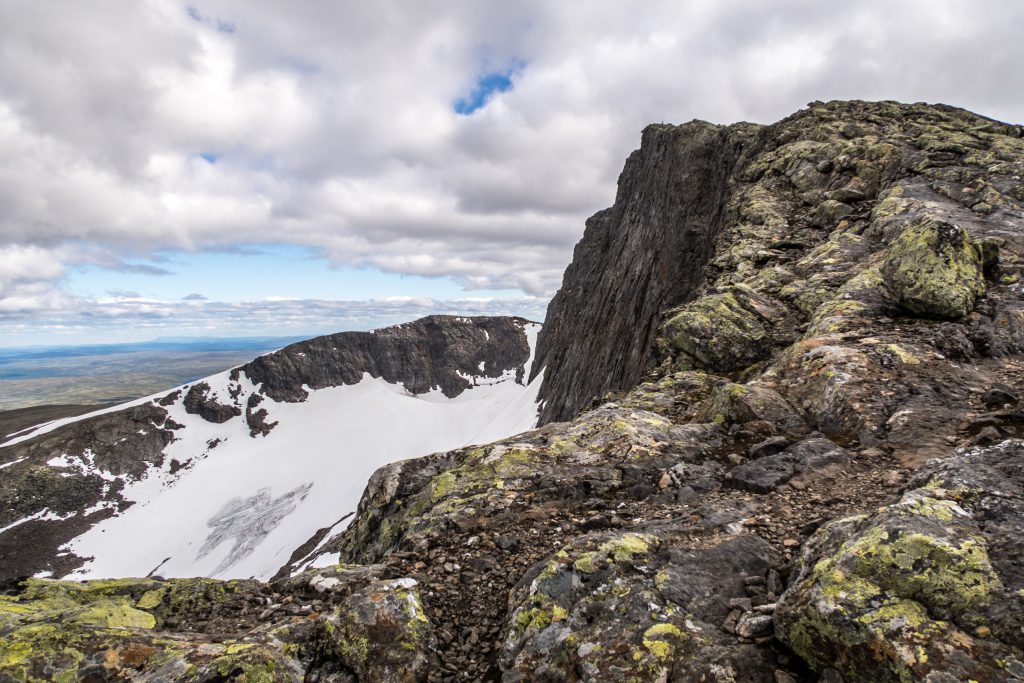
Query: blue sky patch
259,271
485,87
209,157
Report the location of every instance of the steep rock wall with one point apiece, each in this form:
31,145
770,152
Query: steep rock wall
641,256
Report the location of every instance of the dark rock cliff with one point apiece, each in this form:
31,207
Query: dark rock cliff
436,351
636,259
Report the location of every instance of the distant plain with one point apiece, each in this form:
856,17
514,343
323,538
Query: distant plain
113,373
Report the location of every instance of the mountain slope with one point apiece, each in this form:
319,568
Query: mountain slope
227,476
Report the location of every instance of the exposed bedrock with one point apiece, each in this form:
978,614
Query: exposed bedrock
644,254
438,351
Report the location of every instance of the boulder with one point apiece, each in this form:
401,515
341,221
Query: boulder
929,584
934,270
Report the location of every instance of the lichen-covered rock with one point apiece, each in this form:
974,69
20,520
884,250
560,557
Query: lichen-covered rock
201,630
929,584
635,607
935,270
726,331
381,634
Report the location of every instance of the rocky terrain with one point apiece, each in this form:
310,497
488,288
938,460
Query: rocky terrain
782,441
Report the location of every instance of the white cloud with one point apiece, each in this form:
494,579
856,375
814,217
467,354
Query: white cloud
331,125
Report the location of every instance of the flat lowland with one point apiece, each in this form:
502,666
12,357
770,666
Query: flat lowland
114,373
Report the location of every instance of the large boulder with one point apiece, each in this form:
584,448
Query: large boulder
934,270
725,331
929,588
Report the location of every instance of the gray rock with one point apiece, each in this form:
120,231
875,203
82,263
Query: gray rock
764,474
754,625
771,446
943,561
999,396
609,287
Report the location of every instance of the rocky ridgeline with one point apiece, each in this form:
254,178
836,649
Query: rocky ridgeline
809,466
96,457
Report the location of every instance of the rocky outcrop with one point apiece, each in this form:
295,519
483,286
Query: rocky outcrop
439,351
641,256
928,588
755,226
198,402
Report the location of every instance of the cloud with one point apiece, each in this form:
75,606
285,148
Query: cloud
462,140
194,297
134,318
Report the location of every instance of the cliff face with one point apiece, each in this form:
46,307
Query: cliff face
436,351
757,507
644,254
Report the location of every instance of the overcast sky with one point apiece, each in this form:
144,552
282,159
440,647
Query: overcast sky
183,168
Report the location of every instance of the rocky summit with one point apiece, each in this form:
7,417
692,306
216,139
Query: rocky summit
782,440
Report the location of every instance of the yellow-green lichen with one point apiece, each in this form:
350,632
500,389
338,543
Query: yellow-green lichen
661,639
587,563
934,270
627,547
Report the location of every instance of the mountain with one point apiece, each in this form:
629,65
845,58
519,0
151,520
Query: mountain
225,477
781,440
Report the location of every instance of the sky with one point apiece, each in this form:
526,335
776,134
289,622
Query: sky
265,168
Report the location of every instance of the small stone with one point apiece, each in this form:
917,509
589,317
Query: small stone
783,677
893,479
790,543
729,625
1000,395
771,446
872,452
774,582
754,626
987,437
741,604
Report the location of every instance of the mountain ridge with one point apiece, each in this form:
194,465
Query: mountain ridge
101,459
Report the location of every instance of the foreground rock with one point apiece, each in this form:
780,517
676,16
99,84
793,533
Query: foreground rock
330,625
929,588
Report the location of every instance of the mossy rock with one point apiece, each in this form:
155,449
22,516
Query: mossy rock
724,332
914,589
934,270
381,633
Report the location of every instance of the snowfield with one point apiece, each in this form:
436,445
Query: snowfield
238,506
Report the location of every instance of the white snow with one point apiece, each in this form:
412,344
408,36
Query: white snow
241,507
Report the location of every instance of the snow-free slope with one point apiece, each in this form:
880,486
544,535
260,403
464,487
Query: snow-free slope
227,476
